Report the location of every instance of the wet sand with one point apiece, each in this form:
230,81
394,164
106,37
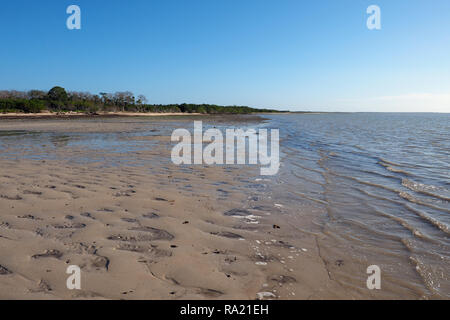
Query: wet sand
144,228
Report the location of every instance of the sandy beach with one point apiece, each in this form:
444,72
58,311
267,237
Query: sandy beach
153,231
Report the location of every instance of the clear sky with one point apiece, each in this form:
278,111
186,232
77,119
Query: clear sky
287,54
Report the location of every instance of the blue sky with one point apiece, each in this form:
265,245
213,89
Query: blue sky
287,54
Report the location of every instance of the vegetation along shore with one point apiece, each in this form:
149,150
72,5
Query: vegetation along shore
60,101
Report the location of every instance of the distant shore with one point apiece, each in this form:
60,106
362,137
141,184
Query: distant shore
78,115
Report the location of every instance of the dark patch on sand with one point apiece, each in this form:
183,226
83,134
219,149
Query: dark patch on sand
15,198
227,234
126,193
210,293
69,226
101,262
36,193
237,213
87,215
44,286
29,217
153,235
282,279
151,215
48,254
339,263
156,234
4,271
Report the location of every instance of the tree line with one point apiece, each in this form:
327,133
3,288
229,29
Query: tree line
59,100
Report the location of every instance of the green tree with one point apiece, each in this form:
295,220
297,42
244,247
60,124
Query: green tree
57,94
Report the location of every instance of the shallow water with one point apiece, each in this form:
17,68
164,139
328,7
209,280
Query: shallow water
383,183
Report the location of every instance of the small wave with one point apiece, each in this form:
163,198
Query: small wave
378,196
378,174
429,278
308,169
440,225
391,169
385,162
367,183
364,232
434,276
306,179
410,198
302,195
388,163
394,168
424,189
416,232
359,147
